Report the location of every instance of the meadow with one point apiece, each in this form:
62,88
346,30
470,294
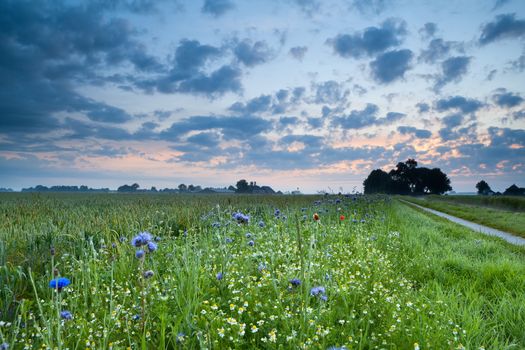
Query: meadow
271,272
506,213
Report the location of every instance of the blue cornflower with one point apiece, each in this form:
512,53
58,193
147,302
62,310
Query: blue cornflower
152,246
261,223
135,317
139,254
141,239
248,235
180,337
337,201
66,315
228,240
241,218
354,220
324,297
148,274
317,291
219,276
251,243
277,212
4,346
216,224
262,267
59,283
295,282
363,221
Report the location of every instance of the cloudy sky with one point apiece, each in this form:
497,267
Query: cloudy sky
290,93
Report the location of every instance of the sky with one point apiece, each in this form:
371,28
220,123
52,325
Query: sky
304,94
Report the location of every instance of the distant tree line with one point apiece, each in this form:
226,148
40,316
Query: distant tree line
513,190
407,178
62,188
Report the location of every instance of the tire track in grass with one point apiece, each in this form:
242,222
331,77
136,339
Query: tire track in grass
471,225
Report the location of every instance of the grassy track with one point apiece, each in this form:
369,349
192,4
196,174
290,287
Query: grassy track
391,277
506,220
512,203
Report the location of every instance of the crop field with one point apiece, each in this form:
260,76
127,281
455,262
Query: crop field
500,212
108,271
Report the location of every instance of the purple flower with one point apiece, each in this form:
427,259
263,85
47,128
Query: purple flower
277,212
135,317
141,239
219,276
228,240
139,254
317,291
324,297
148,274
261,223
251,243
66,315
152,246
59,283
248,235
295,282
4,346
241,218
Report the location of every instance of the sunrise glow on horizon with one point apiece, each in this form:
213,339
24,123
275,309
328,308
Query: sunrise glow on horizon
304,94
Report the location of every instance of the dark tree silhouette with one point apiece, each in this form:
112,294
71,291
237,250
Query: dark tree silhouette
377,182
242,186
483,188
407,178
514,191
182,188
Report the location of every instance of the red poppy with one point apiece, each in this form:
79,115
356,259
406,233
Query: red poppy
342,217
316,216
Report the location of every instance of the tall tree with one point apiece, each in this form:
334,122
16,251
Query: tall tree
483,188
242,186
377,182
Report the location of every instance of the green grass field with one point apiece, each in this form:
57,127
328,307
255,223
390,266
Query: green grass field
513,203
481,210
385,277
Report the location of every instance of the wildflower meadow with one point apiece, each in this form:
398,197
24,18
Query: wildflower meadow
250,272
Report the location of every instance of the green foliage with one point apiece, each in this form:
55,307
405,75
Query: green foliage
393,277
484,210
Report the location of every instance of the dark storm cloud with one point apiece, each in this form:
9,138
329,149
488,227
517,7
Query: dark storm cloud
370,7
506,99
358,119
450,130
307,6
371,41
410,130
518,115
217,7
280,102
207,139
428,30
503,27
499,3
255,105
499,151
465,105
422,107
252,53
330,92
298,52
452,70
188,74
391,65
437,49
285,122
48,49
238,128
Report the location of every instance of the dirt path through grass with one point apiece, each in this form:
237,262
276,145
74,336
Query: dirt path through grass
473,226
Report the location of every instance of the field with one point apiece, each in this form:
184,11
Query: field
246,272
501,212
